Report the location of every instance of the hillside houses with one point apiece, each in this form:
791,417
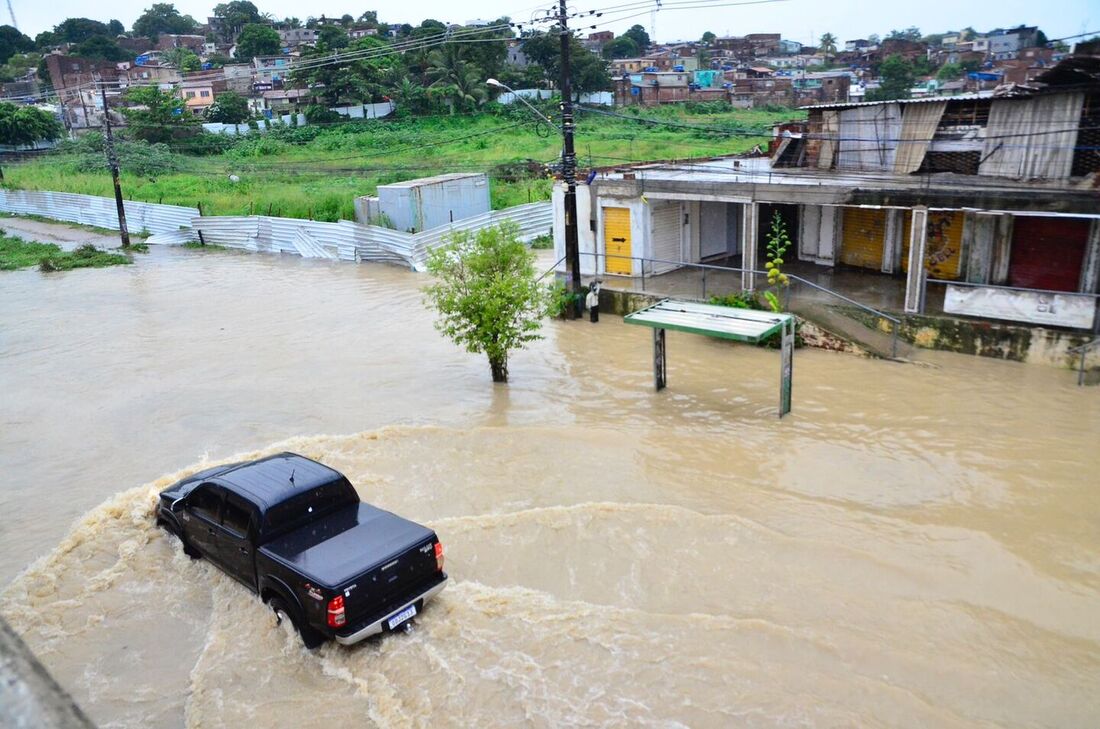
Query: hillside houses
971,205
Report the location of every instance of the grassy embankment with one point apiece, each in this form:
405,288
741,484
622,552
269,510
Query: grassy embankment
16,253
318,171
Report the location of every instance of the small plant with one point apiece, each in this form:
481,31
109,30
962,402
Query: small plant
778,243
742,300
543,242
139,248
560,301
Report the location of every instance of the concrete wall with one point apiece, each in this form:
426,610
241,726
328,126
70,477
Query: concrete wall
29,696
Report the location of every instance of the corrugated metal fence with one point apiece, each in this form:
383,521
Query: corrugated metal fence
345,240
97,211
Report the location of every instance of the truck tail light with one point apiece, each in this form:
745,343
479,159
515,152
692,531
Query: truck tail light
439,556
336,615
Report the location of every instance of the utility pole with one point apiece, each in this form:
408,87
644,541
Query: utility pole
569,165
112,160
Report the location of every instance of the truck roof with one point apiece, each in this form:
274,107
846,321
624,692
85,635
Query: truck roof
274,479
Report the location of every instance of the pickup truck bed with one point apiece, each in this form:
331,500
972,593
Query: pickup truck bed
330,551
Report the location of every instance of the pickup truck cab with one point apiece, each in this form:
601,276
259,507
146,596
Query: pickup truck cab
295,532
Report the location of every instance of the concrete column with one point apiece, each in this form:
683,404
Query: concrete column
1002,249
895,235
1090,273
979,232
749,217
915,280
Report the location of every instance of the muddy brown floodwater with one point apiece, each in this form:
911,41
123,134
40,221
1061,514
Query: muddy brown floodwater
914,546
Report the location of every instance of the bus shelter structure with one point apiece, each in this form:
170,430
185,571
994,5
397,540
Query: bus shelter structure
724,322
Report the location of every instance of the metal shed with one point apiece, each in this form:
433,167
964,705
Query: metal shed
724,322
431,202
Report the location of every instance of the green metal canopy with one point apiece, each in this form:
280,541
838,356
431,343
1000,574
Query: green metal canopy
725,322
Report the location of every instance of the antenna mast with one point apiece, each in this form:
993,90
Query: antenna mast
11,12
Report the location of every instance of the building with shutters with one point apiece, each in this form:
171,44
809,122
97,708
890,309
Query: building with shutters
973,205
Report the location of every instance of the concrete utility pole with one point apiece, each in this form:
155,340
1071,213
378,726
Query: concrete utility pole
569,164
112,160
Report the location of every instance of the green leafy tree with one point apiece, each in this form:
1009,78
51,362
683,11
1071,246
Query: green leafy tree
115,28
12,42
22,125
360,79
709,38
46,40
485,293
234,16
827,46
778,244
589,70
291,23
621,47
912,33
163,19
157,116
258,40
332,38
639,36
19,66
102,47
78,30
950,72
896,78
346,20
183,58
228,108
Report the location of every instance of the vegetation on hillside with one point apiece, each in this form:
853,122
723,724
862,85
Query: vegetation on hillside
317,170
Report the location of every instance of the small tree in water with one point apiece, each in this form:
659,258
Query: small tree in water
486,294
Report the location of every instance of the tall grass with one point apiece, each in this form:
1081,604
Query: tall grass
317,172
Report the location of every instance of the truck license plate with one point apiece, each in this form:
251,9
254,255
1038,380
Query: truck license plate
401,617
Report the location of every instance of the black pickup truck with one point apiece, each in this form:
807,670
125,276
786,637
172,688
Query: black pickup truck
294,531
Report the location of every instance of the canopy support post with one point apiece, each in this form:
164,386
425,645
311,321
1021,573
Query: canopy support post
660,365
786,366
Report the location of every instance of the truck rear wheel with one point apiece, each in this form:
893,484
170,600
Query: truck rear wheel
310,637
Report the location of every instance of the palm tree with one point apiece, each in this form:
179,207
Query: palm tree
410,96
828,46
454,81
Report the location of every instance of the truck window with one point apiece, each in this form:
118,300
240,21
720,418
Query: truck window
206,501
237,515
309,506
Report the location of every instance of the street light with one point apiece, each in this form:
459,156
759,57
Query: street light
509,89
568,170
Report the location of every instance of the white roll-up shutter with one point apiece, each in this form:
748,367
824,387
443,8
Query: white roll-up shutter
665,235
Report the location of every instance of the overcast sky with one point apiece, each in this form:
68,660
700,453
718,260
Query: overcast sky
801,20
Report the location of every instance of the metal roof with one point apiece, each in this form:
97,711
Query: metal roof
925,100
724,322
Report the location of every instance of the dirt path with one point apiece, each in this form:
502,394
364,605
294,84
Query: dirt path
66,235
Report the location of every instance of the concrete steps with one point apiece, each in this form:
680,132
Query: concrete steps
835,321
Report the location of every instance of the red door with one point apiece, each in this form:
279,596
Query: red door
1047,253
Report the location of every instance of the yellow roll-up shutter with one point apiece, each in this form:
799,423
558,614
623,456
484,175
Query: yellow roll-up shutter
943,252
864,234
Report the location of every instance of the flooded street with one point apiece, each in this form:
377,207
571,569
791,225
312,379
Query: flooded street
914,546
